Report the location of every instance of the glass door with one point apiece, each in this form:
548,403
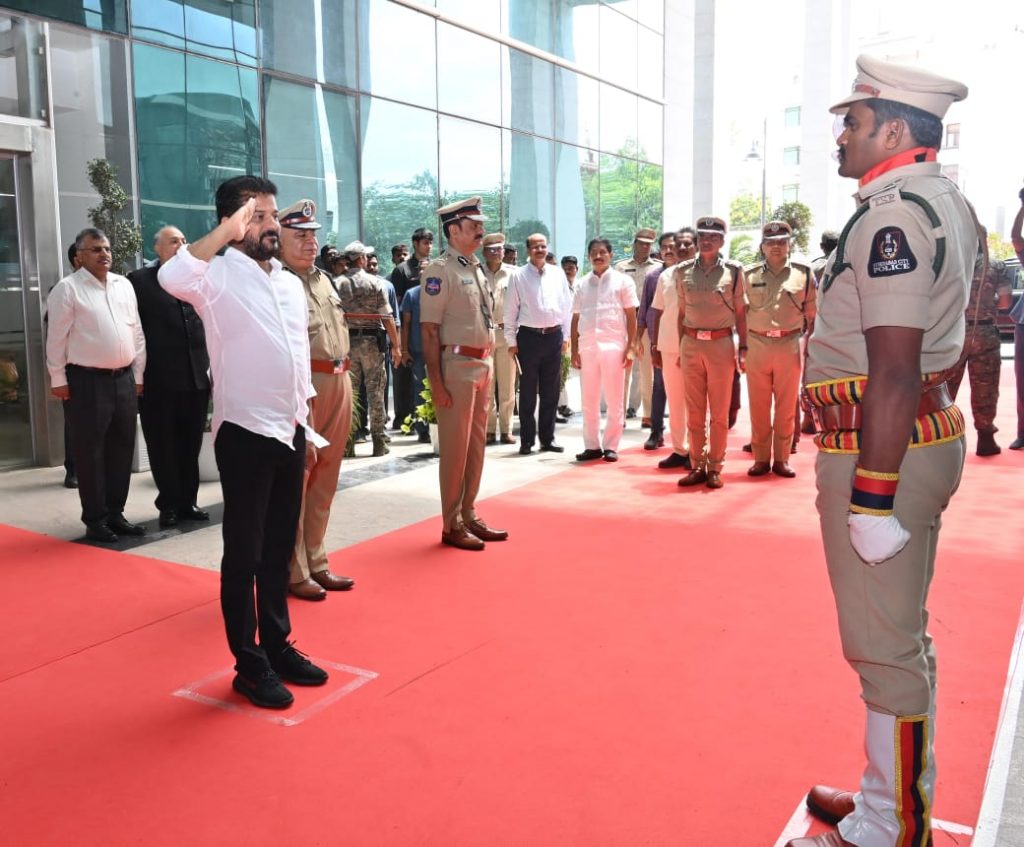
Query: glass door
15,411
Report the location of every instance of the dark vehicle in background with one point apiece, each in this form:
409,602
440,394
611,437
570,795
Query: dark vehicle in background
1003,319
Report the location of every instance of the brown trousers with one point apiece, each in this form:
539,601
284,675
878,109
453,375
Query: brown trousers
708,368
773,374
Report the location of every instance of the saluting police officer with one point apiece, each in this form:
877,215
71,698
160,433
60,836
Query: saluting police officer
330,411
890,324
458,340
780,304
371,323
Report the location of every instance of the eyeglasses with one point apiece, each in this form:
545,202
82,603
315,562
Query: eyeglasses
498,249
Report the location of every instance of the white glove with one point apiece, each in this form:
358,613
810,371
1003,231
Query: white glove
876,538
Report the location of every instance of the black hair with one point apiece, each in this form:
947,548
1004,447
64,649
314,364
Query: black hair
72,252
88,232
599,240
232,194
665,235
924,126
686,230
421,233
572,259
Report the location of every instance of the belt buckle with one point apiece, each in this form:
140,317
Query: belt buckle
774,333
703,334
338,365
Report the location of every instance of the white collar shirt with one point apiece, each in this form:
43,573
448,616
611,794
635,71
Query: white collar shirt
539,299
257,334
601,301
666,300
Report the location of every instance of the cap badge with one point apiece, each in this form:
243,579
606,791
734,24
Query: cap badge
307,211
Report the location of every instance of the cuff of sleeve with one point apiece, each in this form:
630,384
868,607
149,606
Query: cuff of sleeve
888,308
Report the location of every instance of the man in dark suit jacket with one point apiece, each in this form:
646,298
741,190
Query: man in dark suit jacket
173,410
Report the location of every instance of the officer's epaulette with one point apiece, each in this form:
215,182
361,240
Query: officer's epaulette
732,263
801,266
689,263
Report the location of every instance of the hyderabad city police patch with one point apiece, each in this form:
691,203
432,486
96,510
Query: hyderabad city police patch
890,253
432,286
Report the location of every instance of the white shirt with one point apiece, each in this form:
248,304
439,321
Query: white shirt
600,301
93,324
540,299
666,299
256,333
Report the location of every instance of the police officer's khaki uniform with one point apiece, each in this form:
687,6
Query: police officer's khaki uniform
708,300
330,416
500,416
640,378
455,297
778,306
666,300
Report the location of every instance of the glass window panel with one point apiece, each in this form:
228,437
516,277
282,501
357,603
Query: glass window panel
294,39
649,192
531,183
618,202
576,200
792,116
625,7
618,48
470,165
311,153
791,157
576,33
485,14
107,15
471,84
650,118
577,107
399,172
618,121
404,66
530,21
531,94
91,112
197,124
224,29
651,68
22,68
651,13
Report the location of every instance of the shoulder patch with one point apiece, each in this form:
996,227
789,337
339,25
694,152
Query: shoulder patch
890,253
884,199
463,261
432,286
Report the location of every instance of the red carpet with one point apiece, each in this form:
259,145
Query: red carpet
638,665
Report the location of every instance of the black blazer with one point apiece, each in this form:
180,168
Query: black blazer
176,357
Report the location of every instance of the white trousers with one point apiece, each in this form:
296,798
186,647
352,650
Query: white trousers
602,372
675,393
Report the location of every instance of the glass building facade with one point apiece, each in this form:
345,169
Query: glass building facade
379,110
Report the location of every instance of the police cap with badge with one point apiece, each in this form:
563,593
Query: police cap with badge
299,215
776,231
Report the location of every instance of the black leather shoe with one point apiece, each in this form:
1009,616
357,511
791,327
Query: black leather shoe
748,448
564,411
293,666
168,518
560,420
675,461
630,412
589,455
610,456
525,449
266,691
655,441
123,527
1017,443
551,447
784,470
70,480
99,531
193,514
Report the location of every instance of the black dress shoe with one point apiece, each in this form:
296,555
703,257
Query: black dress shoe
70,480
168,518
551,447
655,441
560,419
565,411
525,449
120,525
675,461
610,456
1017,443
589,455
748,448
99,531
193,514
630,412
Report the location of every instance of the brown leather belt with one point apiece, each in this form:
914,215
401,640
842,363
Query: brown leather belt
471,352
776,333
101,371
329,366
707,334
849,416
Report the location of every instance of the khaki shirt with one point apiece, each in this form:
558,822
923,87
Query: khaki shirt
497,285
454,295
328,331
778,301
361,294
983,306
708,298
637,272
887,275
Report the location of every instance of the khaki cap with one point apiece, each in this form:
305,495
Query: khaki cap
357,248
710,223
494,238
776,230
299,215
901,84
468,209
646,236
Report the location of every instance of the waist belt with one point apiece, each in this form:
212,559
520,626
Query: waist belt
776,333
329,366
851,416
103,371
364,331
542,330
471,352
707,334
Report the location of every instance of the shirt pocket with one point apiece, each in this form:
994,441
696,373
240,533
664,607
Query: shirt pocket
125,311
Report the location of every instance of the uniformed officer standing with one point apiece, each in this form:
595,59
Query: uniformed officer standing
330,411
458,340
371,323
780,306
709,291
496,272
640,378
890,322
981,356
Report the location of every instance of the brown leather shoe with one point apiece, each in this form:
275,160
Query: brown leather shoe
484,532
784,470
758,469
714,480
462,538
307,590
507,439
694,477
829,839
829,804
330,582
492,438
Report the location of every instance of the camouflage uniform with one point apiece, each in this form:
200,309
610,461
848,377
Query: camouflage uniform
981,347
361,294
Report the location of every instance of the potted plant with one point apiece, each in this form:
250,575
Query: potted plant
424,415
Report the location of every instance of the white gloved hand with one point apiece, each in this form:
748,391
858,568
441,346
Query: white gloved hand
876,538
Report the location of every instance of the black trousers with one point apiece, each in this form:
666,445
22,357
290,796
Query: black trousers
405,400
540,357
261,479
172,422
101,410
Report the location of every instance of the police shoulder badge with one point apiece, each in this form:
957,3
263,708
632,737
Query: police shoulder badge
432,286
890,253
463,261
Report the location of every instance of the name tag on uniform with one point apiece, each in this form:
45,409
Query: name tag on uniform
468,281
703,334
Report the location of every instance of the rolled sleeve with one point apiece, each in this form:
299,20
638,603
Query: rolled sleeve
186,278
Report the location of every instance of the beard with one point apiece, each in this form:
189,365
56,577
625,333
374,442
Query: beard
262,248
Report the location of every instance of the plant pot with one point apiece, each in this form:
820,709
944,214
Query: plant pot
435,438
207,461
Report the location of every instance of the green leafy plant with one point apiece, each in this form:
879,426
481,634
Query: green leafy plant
424,413
124,235
797,215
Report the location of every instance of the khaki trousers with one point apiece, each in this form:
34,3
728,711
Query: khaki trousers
883,619
505,381
773,373
675,391
462,430
640,382
708,368
331,417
